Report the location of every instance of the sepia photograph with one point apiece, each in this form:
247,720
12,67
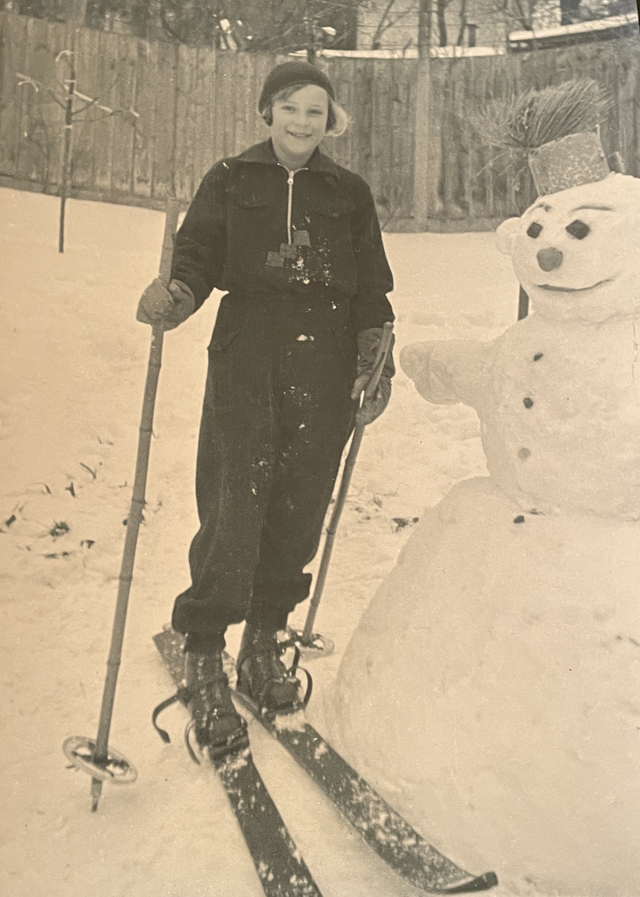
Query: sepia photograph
320,431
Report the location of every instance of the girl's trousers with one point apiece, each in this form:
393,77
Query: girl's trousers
277,414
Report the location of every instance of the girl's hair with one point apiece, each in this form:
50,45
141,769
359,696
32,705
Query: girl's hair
337,119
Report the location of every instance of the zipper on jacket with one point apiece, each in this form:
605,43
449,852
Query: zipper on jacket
290,177
290,207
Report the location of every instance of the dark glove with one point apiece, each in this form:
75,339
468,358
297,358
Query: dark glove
371,408
166,307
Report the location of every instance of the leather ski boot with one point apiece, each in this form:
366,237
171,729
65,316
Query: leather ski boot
262,676
219,728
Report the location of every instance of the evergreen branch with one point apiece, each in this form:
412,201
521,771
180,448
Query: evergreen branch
536,117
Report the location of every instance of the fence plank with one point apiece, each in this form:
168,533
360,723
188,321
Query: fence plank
437,112
165,122
619,131
14,42
218,108
402,143
380,139
463,86
86,56
628,142
204,114
144,126
497,163
264,64
227,99
477,195
37,146
123,120
185,112
243,80
481,171
261,65
61,42
451,135
364,102
107,72
341,74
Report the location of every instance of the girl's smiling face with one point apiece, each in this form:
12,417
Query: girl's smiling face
299,124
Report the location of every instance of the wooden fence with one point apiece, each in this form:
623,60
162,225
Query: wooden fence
175,110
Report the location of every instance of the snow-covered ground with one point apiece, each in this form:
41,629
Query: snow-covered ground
73,365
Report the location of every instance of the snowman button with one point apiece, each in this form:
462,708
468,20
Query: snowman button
524,453
527,402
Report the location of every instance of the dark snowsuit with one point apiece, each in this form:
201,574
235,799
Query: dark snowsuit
303,262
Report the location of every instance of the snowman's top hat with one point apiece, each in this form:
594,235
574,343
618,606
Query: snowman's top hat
568,162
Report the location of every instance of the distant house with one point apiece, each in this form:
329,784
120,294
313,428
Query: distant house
578,32
455,23
459,23
485,25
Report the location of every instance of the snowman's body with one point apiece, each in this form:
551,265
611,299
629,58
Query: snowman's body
559,404
492,688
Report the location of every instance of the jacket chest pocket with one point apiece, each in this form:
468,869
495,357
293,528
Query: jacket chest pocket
330,227
332,211
246,207
245,201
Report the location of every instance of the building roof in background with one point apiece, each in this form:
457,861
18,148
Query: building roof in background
594,25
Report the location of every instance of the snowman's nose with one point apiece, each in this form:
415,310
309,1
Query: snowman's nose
549,259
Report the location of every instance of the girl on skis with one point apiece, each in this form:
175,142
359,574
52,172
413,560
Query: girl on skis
294,241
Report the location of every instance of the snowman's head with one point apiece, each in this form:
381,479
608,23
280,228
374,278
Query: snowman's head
577,252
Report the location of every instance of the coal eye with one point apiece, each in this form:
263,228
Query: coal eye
534,230
578,229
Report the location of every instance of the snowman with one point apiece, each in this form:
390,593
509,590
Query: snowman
558,394
492,687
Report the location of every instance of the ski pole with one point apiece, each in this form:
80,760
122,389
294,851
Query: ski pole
349,464
96,758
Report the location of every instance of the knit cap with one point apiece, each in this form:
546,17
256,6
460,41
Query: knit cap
289,73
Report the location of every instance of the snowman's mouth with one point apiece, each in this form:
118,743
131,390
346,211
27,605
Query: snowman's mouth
548,286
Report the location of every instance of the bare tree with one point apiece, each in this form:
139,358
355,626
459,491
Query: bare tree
441,21
53,140
463,23
283,25
389,14
522,11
